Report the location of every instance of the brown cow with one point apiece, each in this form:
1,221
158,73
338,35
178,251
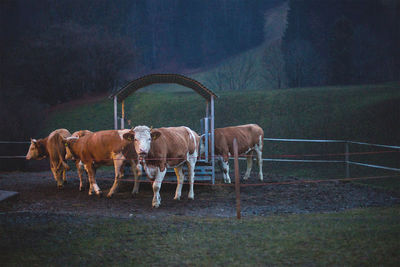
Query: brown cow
52,147
249,137
103,148
164,148
78,163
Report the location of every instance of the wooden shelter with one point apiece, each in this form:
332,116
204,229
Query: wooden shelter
205,169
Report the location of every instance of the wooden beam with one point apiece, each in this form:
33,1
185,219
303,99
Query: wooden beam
212,140
237,178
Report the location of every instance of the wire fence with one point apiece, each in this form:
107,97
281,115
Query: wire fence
293,157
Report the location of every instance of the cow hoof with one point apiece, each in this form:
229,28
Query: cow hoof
156,205
109,196
60,187
177,198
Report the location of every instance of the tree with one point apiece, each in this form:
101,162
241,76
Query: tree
274,65
70,60
234,76
340,66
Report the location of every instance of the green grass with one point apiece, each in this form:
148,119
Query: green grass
367,237
364,113
369,113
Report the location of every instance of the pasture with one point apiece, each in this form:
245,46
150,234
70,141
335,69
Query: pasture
316,223
324,223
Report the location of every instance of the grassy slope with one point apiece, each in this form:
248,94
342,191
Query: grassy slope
367,237
362,113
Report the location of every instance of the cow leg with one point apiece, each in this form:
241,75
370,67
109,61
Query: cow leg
118,168
181,178
57,177
64,175
92,181
258,149
191,166
157,186
249,158
225,170
78,166
136,173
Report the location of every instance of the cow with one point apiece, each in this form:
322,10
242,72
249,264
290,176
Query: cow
78,163
103,148
249,138
163,148
52,147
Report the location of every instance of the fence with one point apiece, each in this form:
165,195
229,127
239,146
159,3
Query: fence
345,160
346,153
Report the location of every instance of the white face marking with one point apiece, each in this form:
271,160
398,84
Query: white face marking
142,139
33,152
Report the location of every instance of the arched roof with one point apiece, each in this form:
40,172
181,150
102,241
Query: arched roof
144,81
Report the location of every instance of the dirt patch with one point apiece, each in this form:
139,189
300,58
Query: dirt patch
39,194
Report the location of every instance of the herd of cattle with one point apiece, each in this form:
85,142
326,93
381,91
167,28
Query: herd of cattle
151,150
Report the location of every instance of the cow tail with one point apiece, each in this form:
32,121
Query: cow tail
60,156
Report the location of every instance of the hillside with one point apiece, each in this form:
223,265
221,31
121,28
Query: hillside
365,113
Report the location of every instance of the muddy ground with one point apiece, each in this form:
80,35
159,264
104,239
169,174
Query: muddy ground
38,194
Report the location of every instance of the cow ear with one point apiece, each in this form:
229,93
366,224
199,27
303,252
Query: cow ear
130,136
33,141
155,135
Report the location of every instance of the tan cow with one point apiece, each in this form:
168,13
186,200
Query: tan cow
103,148
78,163
249,137
53,148
164,148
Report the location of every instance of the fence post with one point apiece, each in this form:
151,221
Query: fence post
347,156
237,178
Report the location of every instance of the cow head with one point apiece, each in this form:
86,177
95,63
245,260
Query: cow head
36,150
142,136
68,142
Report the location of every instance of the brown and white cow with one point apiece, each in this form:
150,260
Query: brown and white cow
78,163
249,138
164,148
52,147
103,148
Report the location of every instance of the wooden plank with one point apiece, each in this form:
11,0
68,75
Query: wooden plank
237,178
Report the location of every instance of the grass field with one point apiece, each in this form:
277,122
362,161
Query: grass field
363,113
367,237
369,113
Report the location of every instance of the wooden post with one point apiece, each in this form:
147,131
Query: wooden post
212,140
347,159
123,115
115,113
237,178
